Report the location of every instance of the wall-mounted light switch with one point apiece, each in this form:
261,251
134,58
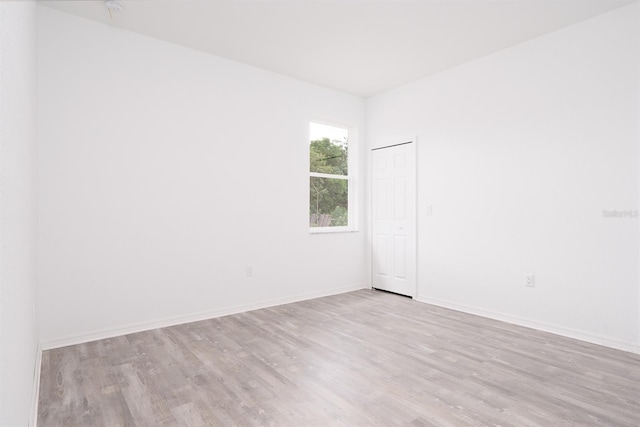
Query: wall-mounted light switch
529,280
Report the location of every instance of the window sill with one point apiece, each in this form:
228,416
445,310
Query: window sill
328,230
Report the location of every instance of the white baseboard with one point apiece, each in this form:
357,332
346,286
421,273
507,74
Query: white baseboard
541,326
33,419
194,317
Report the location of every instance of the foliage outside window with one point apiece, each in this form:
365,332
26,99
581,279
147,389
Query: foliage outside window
329,176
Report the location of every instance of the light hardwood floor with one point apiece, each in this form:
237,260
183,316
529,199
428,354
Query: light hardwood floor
363,358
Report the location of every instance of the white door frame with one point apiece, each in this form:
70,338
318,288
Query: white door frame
391,142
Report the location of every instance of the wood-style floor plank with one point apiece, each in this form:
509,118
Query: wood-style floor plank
364,358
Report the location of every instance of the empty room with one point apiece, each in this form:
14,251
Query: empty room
320,213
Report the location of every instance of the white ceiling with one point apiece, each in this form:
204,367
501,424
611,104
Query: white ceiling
358,46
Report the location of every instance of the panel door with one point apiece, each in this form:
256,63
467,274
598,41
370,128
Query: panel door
393,224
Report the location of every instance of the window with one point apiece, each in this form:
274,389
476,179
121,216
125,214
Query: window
330,192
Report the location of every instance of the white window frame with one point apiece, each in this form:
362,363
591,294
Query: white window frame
352,163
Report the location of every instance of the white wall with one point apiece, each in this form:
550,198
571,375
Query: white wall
519,153
637,15
18,328
163,173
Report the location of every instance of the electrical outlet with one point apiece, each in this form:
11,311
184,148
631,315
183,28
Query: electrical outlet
249,270
529,280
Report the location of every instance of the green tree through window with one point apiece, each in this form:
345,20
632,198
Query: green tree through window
329,177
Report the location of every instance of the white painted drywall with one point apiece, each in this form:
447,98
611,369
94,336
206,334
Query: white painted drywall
18,325
519,153
164,172
637,14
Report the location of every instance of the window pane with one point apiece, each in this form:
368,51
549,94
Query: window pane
328,205
328,149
